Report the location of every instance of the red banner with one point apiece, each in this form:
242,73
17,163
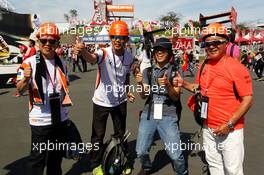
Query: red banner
183,43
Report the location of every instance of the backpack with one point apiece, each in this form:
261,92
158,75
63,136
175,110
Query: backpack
233,50
115,157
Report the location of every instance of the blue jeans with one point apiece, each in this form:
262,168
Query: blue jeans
169,134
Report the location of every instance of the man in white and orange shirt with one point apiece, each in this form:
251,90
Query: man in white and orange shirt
226,87
111,94
44,75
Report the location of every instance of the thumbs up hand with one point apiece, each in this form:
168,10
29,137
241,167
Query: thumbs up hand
138,77
130,97
177,81
78,47
27,73
163,81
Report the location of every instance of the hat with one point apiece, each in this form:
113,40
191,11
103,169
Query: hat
119,28
215,29
48,29
163,42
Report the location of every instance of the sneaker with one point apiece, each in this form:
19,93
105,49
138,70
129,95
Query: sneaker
98,170
127,170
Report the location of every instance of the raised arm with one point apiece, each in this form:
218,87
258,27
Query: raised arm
145,89
23,84
178,81
80,48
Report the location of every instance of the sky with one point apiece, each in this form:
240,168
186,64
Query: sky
54,10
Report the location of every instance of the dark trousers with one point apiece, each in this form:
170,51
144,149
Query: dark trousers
100,115
42,137
76,63
259,68
84,64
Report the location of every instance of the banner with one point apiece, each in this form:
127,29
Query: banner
183,43
96,39
120,8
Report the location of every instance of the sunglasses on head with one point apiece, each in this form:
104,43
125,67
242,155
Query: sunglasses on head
51,41
214,43
114,37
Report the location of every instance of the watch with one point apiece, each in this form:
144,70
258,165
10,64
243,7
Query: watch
230,125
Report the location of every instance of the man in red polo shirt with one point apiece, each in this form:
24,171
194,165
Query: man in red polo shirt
226,87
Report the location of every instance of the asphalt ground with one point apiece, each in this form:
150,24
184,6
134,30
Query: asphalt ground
15,131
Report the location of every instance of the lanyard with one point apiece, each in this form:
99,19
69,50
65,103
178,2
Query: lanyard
52,82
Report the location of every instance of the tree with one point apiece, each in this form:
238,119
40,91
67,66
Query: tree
242,26
170,19
73,13
195,31
67,17
196,24
186,25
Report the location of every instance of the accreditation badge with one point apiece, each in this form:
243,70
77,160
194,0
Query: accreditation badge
204,109
158,108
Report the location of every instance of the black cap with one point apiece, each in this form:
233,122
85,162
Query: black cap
163,42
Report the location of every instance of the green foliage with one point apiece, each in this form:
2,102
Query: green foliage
135,32
196,24
73,13
171,18
67,17
242,26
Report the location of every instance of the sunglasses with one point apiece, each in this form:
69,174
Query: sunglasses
114,37
51,41
214,43
157,49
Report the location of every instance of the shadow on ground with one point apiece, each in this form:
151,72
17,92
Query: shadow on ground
161,158
6,86
16,168
4,92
